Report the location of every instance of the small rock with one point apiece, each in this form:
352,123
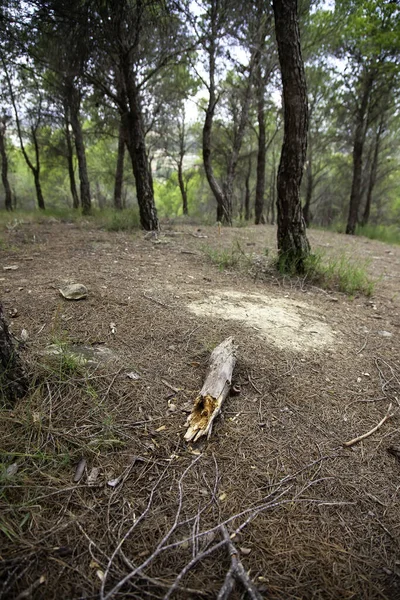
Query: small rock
385,334
11,268
13,313
245,551
74,291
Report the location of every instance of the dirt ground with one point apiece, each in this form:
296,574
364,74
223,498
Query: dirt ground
313,519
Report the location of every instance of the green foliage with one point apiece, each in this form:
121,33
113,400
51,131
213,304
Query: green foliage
339,273
390,234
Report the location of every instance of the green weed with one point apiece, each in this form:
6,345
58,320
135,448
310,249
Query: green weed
223,258
119,220
339,273
390,234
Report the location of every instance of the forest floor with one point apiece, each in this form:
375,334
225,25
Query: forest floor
313,519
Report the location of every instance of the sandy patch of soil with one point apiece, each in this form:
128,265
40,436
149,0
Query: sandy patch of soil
284,323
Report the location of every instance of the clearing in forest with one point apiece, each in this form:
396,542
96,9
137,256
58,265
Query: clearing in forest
101,497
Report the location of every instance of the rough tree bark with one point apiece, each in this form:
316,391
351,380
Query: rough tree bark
119,171
358,150
4,165
309,191
373,171
247,193
13,380
223,213
74,101
182,187
293,245
70,162
262,151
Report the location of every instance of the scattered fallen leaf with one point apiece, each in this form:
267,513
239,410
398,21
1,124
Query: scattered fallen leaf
113,482
94,473
24,335
80,469
162,428
133,375
222,497
100,574
195,452
245,551
11,470
94,565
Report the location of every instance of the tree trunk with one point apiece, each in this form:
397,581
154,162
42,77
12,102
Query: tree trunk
373,173
358,149
86,201
309,191
261,154
38,188
71,171
132,122
13,380
293,245
4,167
119,171
223,212
247,194
182,187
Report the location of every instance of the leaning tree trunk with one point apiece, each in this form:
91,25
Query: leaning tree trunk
373,173
86,200
132,121
4,167
119,171
358,151
293,245
223,213
13,380
71,170
182,187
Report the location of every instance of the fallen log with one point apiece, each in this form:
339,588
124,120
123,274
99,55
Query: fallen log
207,405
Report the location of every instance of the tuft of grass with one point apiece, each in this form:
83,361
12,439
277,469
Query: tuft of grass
339,273
224,258
119,220
390,234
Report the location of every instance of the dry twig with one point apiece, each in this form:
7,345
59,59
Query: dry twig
388,415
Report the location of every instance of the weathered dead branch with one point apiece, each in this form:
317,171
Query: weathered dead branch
207,405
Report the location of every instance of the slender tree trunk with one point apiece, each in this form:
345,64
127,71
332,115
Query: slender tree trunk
4,167
309,191
13,380
38,188
223,213
71,170
182,187
373,173
132,121
261,153
35,169
293,244
86,200
358,149
119,172
247,194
